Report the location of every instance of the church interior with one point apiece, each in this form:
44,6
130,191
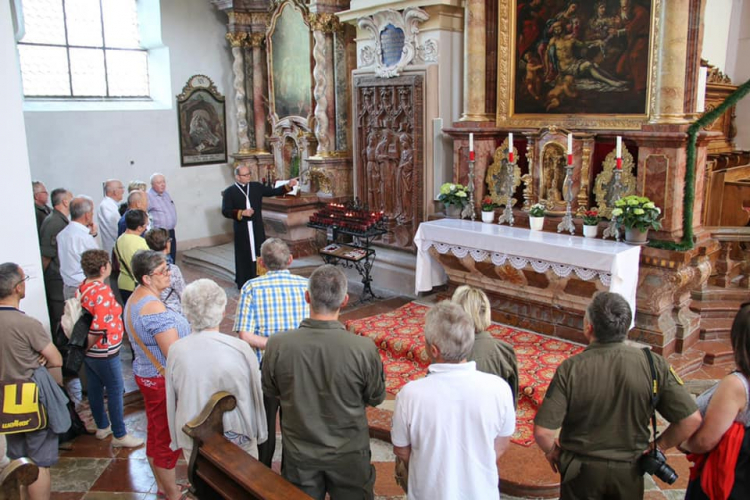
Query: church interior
556,107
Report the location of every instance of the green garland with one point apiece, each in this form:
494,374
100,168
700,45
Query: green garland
689,193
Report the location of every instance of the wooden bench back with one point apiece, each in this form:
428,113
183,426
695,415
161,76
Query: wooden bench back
20,472
219,468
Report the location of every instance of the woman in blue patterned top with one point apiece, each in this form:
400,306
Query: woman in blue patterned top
152,328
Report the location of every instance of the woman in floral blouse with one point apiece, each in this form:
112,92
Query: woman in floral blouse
103,369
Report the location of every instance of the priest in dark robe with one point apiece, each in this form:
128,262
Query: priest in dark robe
243,203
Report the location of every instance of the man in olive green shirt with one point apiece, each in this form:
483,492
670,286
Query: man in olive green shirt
324,377
601,400
51,227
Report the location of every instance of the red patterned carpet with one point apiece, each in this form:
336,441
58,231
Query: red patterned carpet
399,337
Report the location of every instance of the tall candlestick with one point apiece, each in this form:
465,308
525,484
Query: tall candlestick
619,146
570,144
471,142
510,147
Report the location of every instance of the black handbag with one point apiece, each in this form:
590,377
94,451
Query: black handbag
78,343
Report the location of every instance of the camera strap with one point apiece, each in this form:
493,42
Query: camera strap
654,390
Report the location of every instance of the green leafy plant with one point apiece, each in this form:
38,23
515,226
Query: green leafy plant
453,194
537,210
637,212
488,205
591,217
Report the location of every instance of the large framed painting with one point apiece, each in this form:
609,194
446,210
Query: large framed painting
202,124
577,62
290,65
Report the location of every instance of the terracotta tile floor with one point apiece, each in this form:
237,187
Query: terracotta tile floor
93,470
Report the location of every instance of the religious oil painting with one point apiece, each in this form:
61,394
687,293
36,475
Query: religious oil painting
582,56
290,64
202,123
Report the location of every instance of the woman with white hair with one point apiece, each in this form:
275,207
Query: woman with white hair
189,389
491,355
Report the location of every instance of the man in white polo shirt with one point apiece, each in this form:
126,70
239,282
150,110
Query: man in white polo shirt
108,213
452,426
76,238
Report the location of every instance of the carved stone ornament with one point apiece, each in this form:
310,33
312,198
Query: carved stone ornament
427,52
395,35
199,82
497,176
367,56
603,182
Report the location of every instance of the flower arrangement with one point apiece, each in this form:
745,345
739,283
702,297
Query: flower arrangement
637,212
453,194
591,217
537,210
487,204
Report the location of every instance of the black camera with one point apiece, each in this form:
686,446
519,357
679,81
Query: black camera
655,463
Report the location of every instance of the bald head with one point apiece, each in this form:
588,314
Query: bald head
138,200
158,183
113,188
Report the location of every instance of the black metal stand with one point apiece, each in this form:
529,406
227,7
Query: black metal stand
362,264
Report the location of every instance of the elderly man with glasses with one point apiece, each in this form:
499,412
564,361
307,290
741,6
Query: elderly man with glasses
243,203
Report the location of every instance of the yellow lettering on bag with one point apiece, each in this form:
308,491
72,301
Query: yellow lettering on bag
29,399
16,423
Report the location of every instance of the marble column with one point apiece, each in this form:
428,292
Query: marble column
669,85
475,48
255,41
323,26
237,40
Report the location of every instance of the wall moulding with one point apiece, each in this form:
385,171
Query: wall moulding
395,40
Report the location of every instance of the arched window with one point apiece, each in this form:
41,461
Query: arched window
82,49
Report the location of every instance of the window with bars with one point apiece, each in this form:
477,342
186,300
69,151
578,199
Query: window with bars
82,49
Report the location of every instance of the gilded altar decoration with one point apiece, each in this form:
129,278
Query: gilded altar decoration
551,192
202,125
497,174
603,185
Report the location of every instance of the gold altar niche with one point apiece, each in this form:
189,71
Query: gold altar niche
497,176
604,191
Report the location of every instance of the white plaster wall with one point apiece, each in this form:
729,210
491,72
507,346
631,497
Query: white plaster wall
20,243
738,65
80,149
717,16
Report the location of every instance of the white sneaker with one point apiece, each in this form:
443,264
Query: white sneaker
127,441
103,433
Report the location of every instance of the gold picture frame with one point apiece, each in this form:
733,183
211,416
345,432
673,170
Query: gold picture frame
509,63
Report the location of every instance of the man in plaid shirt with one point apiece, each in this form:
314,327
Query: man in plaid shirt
269,304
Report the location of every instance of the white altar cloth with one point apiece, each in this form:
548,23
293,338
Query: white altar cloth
614,264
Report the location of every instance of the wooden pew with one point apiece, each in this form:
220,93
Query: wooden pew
20,472
219,468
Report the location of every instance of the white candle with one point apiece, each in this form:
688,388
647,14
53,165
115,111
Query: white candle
570,144
471,141
619,146
510,143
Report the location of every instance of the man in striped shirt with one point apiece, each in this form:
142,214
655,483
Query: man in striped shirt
269,304
162,211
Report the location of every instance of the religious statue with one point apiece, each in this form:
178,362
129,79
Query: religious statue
374,180
404,186
553,166
386,153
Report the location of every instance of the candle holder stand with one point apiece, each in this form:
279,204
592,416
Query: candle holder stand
471,187
567,222
507,215
613,228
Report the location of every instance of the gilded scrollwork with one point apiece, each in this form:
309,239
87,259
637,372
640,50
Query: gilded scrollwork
603,183
407,22
256,40
236,39
497,176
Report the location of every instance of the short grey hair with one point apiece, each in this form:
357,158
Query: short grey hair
154,176
135,196
611,316
110,185
240,167
80,206
204,303
327,287
275,254
451,330
58,195
37,186
10,275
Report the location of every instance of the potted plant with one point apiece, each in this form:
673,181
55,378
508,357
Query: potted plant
488,210
637,214
454,197
590,223
536,217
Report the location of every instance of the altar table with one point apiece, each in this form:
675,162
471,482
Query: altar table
614,264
